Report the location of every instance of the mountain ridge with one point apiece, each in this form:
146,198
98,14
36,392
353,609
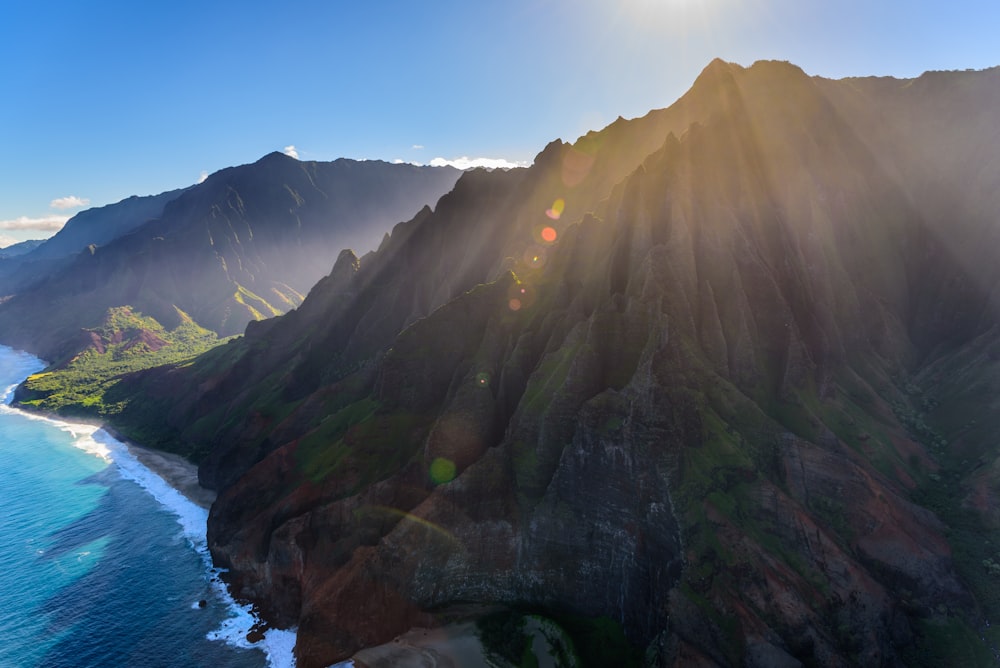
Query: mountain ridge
244,244
92,227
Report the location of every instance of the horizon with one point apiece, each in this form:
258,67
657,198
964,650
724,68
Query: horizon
121,101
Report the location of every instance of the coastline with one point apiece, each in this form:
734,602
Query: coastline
444,647
172,481
175,470
178,472
452,645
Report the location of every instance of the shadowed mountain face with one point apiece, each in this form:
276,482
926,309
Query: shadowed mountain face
96,226
732,405
245,244
20,248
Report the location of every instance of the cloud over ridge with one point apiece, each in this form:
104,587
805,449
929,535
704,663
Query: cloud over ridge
71,202
465,162
39,224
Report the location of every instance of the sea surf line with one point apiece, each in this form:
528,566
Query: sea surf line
95,442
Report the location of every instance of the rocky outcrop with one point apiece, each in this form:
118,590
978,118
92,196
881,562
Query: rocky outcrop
695,410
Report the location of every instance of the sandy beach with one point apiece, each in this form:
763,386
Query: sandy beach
178,472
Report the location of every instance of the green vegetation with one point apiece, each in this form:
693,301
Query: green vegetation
573,640
321,450
360,444
950,640
948,643
125,342
598,641
257,306
503,636
548,379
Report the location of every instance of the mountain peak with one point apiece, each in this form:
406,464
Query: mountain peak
275,156
716,73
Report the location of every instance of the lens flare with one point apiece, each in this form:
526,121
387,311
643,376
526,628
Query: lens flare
520,296
410,517
549,234
556,210
535,257
442,470
483,379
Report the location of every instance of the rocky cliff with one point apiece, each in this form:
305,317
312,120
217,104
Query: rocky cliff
705,373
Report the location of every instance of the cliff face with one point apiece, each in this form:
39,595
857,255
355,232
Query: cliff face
702,409
245,244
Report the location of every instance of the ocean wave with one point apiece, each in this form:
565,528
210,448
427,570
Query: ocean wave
15,366
277,644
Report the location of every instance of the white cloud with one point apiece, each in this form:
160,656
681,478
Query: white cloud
291,151
418,147
42,224
71,202
202,176
7,241
466,162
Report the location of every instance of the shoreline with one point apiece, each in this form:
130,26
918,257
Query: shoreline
448,646
178,472
173,482
175,470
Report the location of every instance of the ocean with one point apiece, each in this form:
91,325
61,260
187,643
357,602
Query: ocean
101,562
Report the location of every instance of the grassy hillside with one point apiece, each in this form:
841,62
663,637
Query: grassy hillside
125,342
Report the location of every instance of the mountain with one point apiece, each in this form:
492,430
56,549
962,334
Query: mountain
101,225
245,244
19,248
95,226
723,375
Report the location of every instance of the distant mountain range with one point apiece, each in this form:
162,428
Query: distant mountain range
723,376
246,243
97,226
20,248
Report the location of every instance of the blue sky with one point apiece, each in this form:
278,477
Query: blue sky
102,100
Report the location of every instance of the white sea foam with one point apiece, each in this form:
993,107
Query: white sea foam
83,434
193,519
277,643
280,643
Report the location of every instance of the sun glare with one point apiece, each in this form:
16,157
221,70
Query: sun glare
674,15
659,6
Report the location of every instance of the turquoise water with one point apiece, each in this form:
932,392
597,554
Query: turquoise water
101,563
